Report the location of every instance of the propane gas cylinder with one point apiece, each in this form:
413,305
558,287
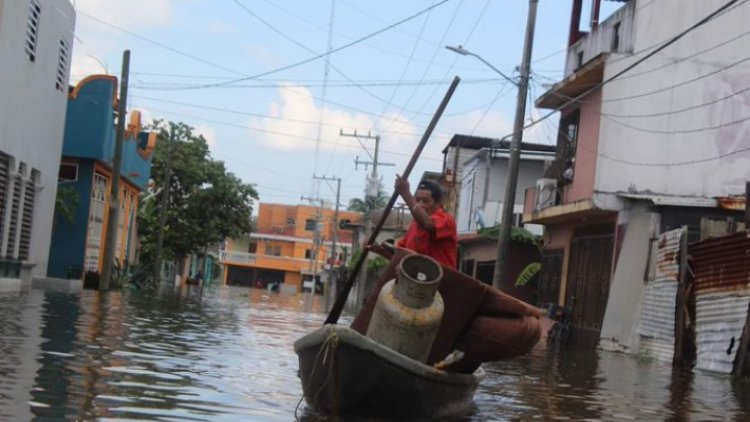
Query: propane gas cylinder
409,308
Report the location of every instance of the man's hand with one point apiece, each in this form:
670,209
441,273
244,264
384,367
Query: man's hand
384,250
402,186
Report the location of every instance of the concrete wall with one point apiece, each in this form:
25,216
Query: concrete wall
68,245
584,170
628,284
690,139
32,110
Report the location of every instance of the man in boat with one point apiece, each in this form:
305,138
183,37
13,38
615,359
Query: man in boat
433,231
483,322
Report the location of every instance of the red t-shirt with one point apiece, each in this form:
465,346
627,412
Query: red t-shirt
441,246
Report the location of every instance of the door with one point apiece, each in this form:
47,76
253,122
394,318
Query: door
589,273
548,290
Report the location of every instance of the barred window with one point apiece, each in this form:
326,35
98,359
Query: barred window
32,28
62,66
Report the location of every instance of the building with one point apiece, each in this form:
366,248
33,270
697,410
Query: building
482,181
86,172
36,41
639,155
282,248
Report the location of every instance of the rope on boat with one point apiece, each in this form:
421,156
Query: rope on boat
330,344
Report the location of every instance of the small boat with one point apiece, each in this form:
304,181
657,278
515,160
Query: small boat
344,373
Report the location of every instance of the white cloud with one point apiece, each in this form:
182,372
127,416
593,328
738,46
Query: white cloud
293,132
130,13
207,133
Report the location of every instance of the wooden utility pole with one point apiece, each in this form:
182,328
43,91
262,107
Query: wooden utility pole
503,242
163,208
114,193
335,227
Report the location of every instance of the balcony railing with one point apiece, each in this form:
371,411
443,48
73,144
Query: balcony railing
238,257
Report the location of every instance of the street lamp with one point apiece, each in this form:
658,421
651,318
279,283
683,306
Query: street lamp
503,241
464,52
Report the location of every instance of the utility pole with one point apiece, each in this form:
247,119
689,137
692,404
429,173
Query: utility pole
114,193
163,207
503,242
372,189
316,234
335,227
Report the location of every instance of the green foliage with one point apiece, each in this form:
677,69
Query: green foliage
517,234
369,203
373,264
528,274
206,202
66,203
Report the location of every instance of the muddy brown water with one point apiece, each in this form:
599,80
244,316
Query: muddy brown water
227,355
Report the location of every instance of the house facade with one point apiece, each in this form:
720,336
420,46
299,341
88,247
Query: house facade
36,41
282,248
483,181
655,149
86,174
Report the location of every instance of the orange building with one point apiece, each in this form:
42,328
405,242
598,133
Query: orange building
282,247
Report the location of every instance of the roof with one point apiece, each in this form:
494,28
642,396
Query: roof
478,142
575,84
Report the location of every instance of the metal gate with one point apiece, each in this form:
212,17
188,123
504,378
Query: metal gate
589,274
548,291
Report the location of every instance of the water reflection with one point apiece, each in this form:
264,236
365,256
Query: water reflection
226,355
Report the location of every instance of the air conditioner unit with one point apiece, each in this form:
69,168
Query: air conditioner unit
546,193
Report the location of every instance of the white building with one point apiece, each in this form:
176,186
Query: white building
483,184
656,148
36,41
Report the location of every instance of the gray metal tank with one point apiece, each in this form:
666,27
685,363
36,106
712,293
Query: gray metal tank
409,309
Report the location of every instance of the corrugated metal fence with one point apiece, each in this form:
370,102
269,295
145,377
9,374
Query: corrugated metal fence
721,269
657,324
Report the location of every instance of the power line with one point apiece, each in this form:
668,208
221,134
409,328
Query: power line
289,135
318,56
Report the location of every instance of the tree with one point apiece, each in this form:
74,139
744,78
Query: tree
206,203
369,203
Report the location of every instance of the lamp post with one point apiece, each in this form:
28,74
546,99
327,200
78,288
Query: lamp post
506,222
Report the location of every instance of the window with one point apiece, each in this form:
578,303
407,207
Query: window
567,144
4,186
252,247
68,172
24,244
310,225
579,60
62,67
616,37
290,222
273,250
32,28
308,254
15,209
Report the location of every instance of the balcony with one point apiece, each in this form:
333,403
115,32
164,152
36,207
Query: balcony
614,35
233,257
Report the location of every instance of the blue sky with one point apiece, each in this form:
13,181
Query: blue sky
266,128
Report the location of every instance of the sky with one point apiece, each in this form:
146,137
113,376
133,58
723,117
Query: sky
250,76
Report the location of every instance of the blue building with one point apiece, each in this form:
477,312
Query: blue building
86,169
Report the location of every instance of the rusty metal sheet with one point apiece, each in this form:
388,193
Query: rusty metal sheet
657,322
721,271
735,203
721,263
720,320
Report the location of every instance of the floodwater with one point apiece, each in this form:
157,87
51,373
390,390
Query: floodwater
227,355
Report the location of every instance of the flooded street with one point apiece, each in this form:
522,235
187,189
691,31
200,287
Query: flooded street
228,356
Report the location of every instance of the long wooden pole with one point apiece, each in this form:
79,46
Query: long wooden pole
338,306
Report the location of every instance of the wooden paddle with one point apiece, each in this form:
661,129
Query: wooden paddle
338,306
